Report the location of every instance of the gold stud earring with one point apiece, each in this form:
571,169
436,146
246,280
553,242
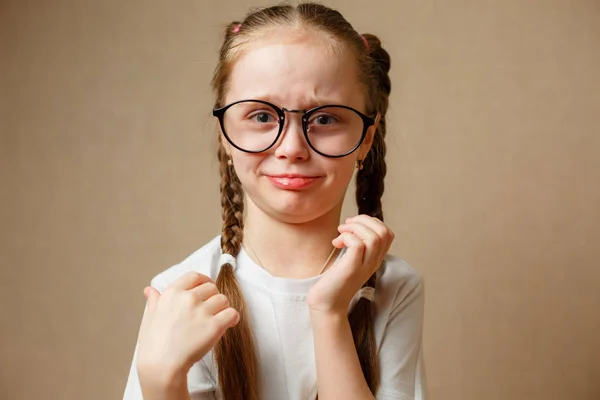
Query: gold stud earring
359,164
230,162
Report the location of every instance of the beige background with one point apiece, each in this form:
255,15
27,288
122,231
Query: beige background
108,176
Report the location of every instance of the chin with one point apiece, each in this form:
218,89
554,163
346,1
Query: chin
298,210
295,212
293,206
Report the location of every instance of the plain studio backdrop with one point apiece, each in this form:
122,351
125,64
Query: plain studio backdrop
108,176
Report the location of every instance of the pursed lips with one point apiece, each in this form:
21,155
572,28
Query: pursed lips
292,181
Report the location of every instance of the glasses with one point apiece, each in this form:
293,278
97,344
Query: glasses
254,126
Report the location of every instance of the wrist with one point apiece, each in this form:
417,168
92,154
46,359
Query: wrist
336,309
330,316
161,378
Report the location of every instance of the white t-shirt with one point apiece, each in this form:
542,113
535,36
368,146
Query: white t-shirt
281,325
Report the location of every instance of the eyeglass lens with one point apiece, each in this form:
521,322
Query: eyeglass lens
254,126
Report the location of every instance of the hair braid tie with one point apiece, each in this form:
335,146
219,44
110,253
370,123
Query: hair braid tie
365,292
228,259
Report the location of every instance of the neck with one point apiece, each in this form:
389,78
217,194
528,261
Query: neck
289,250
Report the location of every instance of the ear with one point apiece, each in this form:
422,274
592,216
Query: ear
365,147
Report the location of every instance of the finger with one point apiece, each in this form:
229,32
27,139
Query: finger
373,223
375,244
227,318
362,231
377,249
205,291
215,304
190,280
337,242
354,245
152,295
382,230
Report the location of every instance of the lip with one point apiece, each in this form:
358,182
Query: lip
292,181
292,176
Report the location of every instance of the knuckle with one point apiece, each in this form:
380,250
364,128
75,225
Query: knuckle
192,275
169,292
211,287
221,299
188,298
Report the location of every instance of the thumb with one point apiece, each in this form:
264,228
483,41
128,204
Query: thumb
355,247
152,295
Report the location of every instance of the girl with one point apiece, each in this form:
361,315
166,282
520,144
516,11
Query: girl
287,303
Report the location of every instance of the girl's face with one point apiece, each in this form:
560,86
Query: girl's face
295,70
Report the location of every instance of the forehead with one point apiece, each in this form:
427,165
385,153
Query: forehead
296,70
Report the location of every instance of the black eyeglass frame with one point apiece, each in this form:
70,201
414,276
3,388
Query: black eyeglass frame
367,123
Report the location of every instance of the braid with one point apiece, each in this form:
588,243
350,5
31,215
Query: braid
361,323
232,206
234,353
370,180
369,190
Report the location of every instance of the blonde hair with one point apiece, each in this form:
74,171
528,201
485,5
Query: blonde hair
235,353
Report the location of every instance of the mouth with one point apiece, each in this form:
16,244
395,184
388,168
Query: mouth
293,181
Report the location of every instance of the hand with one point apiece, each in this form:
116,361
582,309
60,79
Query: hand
180,326
367,240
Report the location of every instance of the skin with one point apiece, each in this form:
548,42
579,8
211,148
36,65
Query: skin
295,227
270,71
292,232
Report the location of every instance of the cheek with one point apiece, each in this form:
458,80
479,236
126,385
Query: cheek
341,174
245,166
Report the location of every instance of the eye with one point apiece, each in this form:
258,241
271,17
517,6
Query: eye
323,119
262,117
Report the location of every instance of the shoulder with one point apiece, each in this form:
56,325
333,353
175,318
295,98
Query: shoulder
399,280
204,261
399,302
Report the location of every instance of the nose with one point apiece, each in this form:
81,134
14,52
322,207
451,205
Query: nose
292,144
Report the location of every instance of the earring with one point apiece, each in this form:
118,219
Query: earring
230,162
359,164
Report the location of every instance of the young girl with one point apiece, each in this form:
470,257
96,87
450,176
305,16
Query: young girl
287,303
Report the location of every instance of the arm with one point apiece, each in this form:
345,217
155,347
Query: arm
157,385
161,386
339,375
173,388
148,383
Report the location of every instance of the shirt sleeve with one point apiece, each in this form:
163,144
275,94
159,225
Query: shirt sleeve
200,384
401,354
